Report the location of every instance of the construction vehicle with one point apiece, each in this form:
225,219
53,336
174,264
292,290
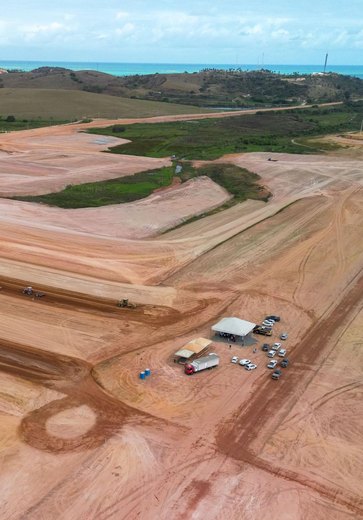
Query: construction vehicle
29,291
201,364
125,304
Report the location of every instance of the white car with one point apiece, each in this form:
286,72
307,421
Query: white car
234,359
282,352
268,323
272,364
271,353
250,366
276,346
284,335
244,362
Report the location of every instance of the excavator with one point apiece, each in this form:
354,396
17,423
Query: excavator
125,304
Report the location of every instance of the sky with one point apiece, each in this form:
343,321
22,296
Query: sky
188,31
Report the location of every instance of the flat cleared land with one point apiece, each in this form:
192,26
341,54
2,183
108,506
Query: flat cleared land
85,437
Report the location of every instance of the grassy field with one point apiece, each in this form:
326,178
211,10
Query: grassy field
212,138
103,193
69,105
241,183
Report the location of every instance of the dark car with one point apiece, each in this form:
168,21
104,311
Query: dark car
275,318
263,331
284,363
276,374
265,347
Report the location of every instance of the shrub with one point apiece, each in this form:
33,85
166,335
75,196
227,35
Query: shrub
10,119
118,128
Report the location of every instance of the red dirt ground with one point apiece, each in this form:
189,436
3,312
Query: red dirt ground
83,438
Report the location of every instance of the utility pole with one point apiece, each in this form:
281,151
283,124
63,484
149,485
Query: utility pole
326,61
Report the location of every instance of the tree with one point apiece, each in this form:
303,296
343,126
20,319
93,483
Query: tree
10,119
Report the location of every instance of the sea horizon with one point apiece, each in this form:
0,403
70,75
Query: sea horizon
127,69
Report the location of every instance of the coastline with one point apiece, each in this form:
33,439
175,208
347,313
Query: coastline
127,69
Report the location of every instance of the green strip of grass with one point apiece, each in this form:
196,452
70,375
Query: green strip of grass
115,191
212,138
241,183
27,125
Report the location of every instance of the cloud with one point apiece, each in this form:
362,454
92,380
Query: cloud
35,31
121,15
280,35
167,27
126,30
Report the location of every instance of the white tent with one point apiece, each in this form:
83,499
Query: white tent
234,326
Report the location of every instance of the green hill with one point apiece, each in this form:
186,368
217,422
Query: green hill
26,103
208,88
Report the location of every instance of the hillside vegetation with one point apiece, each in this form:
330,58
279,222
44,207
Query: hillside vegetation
208,88
62,105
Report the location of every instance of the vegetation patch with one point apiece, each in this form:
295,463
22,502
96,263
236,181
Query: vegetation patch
210,139
115,191
241,183
11,123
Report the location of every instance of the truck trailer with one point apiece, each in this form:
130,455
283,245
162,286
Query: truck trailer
201,364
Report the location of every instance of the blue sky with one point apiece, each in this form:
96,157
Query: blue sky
188,31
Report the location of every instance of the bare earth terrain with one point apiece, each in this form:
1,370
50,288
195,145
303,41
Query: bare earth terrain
82,437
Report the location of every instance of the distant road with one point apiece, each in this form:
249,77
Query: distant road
101,123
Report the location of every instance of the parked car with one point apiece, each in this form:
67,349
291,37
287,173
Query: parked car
265,347
268,323
284,335
276,374
284,363
276,346
234,359
282,352
271,353
244,362
272,364
250,366
262,330
272,317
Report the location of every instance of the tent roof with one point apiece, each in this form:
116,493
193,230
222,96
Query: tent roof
184,353
234,326
193,347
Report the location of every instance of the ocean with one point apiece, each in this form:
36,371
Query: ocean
127,69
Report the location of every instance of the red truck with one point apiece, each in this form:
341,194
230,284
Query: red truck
201,364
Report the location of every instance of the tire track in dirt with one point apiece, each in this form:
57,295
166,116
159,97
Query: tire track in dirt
57,297
256,421
336,225
72,377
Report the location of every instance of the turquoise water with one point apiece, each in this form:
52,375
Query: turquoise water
127,69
